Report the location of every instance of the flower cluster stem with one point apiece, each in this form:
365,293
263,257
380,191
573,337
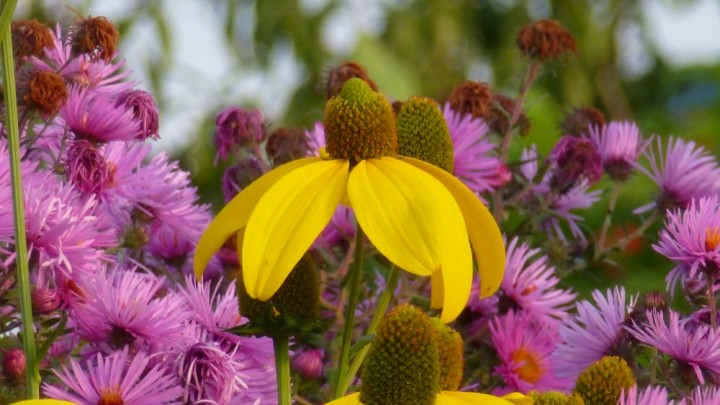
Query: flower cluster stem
21,258
382,306
282,368
353,295
615,193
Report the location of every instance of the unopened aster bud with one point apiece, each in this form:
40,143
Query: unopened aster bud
145,111
555,398
44,300
402,365
359,124
501,109
96,37
240,175
580,120
450,350
30,38
87,168
338,76
619,144
286,144
45,92
472,98
544,39
236,128
13,365
575,159
423,133
604,381
309,363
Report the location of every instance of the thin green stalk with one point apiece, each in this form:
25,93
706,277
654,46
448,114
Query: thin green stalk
282,368
353,295
383,303
608,217
21,258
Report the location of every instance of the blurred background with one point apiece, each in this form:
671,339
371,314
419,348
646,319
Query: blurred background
654,61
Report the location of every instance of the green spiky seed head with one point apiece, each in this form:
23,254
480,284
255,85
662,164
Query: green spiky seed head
359,124
555,398
402,365
450,346
298,297
603,382
423,133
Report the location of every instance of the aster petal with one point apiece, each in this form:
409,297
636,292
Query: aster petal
234,216
42,402
473,398
352,399
290,216
415,222
483,231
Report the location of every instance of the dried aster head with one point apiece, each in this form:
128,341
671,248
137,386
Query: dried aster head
472,98
339,75
544,40
30,38
94,36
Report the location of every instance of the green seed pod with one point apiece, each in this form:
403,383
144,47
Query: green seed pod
423,133
450,347
603,382
555,398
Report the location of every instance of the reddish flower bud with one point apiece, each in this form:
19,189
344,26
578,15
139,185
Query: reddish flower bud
342,73
309,363
472,98
545,39
13,365
580,120
45,300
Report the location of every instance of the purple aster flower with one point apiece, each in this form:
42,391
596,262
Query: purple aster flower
657,395
316,138
475,164
116,379
87,169
595,331
124,307
707,395
94,116
145,111
240,175
573,160
525,348
690,239
619,144
684,172
697,347
531,284
212,309
309,363
237,128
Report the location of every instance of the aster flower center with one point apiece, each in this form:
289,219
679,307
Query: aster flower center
110,397
529,368
712,238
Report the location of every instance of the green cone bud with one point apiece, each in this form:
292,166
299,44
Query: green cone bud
359,124
423,133
555,398
450,348
402,365
603,382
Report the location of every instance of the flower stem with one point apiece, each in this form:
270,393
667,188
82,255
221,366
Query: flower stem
383,303
353,296
21,258
608,217
282,368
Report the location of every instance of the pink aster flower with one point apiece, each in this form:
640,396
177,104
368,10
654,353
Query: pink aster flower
87,169
94,116
525,348
707,395
619,144
530,282
123,308
475,164
657,395
698,347
690,239
212,309
116,379
142,104
684,172
595,331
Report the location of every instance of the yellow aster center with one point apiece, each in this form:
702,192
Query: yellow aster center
529,368
712,238
110,397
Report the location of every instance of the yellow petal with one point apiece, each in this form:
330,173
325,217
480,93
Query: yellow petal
234,216
482,229
474,398
415,222
43,402
352,399
286,221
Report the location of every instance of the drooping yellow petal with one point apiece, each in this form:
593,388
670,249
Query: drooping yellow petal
288,218
352,399
235,214
452,284
474,398
482,229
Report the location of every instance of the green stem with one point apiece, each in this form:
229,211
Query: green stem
21,258
282,368
608,217
383,303
353,296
